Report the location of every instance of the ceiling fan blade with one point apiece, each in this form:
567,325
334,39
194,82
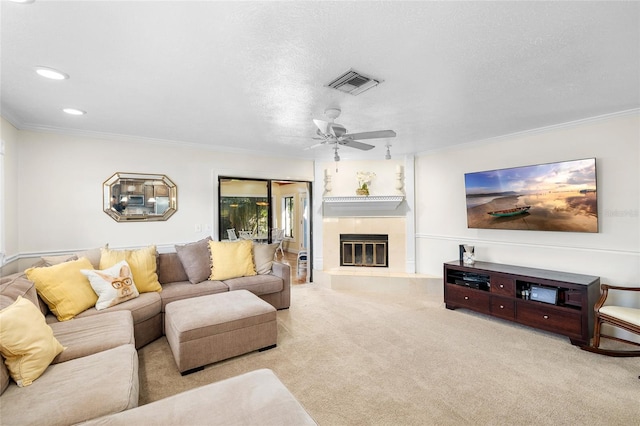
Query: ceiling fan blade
314,146
338,130
323,126
371,135
355,144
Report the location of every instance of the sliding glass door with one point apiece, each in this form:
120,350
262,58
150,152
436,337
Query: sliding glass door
244,208
260,209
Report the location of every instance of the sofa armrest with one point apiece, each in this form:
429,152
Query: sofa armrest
283,271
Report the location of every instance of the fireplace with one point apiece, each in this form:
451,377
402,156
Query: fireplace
364,250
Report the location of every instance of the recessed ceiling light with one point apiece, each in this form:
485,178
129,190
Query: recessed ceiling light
23,1
74,111
51,73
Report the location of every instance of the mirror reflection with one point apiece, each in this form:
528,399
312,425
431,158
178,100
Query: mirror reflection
138,196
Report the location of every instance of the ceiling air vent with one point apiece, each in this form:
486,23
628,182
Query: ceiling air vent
354,82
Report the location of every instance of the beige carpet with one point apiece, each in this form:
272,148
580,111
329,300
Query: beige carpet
384,359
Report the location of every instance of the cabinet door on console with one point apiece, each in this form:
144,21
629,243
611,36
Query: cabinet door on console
503,285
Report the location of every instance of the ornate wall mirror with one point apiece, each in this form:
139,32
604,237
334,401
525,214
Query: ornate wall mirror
140,197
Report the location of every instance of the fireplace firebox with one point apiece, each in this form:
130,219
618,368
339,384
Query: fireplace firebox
364,250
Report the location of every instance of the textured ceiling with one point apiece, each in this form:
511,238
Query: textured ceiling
251,76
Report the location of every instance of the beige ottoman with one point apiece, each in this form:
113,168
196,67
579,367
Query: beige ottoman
206,329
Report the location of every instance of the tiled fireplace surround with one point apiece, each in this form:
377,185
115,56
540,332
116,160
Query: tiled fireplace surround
390,280
394,227
389,210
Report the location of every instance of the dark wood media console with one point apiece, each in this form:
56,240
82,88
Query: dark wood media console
506,292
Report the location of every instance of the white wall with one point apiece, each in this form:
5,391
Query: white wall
9,136
612,254
54,186
60,187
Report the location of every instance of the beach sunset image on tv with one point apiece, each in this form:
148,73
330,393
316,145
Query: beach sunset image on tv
558,196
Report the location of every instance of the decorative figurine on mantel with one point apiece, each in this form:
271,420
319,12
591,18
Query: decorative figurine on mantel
364,180
327,183
399,180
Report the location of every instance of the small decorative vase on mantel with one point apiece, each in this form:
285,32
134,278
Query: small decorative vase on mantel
363,190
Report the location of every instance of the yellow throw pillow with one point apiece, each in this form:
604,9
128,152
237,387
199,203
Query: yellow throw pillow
142,262
63,287
231,259
26,341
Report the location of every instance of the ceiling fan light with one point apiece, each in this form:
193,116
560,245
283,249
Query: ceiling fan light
332,113
73,111
51,73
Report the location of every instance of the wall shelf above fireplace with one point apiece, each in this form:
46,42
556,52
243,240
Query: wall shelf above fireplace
371,202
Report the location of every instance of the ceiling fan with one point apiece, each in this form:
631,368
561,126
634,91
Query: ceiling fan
336,134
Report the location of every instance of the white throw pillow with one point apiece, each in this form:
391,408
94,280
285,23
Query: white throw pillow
112,285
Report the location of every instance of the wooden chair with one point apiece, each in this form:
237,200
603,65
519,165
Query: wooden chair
622,317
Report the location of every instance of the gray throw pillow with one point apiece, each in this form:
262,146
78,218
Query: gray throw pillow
263,255
196,260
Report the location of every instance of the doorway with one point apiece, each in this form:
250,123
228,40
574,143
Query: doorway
259,208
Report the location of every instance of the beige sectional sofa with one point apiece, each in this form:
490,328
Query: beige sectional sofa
96,376
148,309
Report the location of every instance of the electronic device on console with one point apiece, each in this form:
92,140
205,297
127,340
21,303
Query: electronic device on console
473,280
544,294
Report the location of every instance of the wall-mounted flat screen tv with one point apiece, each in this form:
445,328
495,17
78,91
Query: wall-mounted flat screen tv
558,196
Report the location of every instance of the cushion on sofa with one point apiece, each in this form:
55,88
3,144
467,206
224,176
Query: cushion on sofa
113,285
63,287
75,391
54,260
263,256
184,290
142,308
254,398
231,259
93,334
93,255
26,341
195,259
142,262
258,285
4,376
170,268
15,285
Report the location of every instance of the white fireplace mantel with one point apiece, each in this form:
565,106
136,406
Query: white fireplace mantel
368,202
